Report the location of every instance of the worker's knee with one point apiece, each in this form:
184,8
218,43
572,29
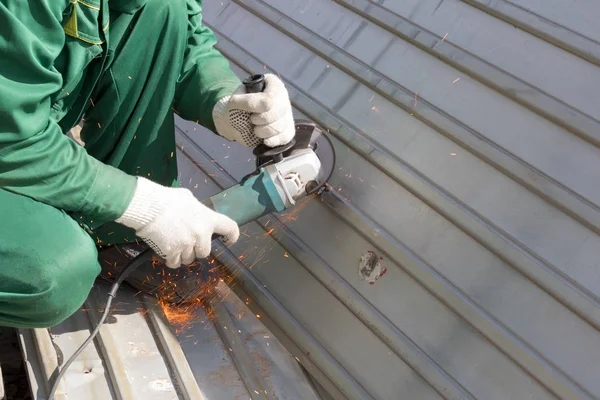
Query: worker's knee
47,263
62,284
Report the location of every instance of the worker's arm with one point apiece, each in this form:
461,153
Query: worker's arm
36,159
209,92
205,76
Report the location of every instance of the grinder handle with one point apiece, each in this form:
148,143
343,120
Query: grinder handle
254,83
253,197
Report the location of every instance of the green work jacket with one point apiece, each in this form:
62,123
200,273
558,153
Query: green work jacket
46,78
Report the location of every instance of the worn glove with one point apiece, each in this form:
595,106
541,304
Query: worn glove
254,118
176,225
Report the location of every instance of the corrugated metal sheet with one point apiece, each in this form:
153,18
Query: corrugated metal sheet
467,137
139,355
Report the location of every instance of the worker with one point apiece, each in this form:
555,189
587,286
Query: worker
123,67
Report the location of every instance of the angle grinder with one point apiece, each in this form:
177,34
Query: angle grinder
283,174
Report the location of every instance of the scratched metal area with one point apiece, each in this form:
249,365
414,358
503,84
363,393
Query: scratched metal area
457,255
138,355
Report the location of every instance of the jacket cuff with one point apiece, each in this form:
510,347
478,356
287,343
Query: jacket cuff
109,195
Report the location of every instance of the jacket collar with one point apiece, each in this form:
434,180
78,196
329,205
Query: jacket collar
126,6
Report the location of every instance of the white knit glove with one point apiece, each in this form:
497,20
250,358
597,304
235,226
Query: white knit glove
176,225
250,118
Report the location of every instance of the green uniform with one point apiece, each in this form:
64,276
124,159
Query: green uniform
123,64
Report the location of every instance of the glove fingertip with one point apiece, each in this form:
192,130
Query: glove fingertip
202,250
228,228
174,262
234,235
279,139
188,256
266,131
273,141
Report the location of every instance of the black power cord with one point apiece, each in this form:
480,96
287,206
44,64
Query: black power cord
141,258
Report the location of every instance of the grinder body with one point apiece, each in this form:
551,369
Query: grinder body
248,200
271,188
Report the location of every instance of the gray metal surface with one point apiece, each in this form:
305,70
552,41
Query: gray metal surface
140,355
467,160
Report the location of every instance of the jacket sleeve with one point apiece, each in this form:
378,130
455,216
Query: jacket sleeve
206,76
36,159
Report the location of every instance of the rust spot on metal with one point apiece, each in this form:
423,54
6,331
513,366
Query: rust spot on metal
370,267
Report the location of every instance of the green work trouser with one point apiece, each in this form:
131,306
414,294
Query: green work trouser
48,262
